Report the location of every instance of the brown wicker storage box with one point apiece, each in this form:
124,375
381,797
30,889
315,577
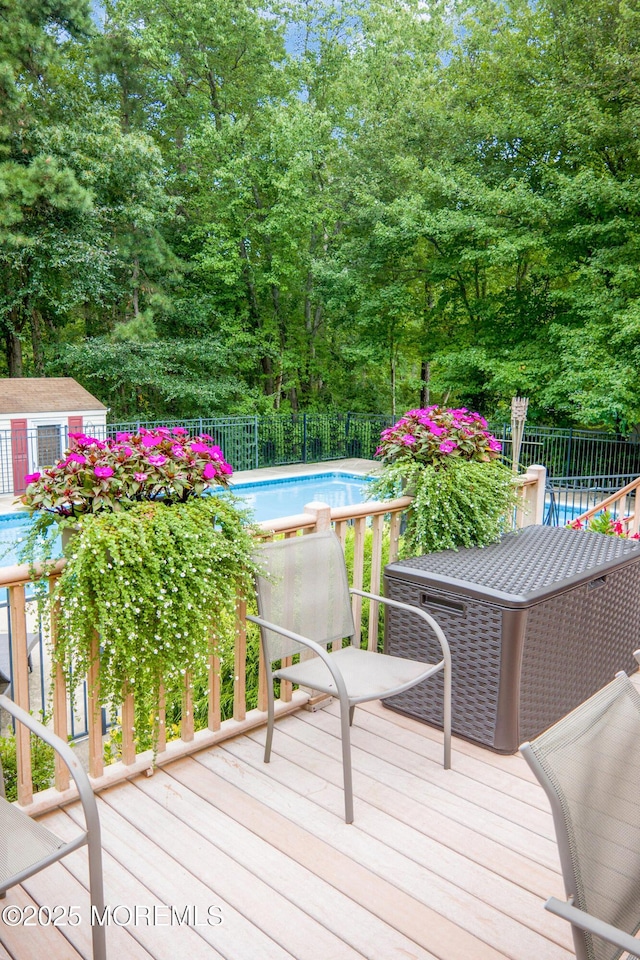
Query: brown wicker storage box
536,624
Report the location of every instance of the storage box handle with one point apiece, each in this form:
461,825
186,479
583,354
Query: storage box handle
428,600
598,582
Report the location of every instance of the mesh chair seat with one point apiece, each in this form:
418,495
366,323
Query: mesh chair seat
367,675
23,842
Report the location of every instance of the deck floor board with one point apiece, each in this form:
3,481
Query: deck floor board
438,865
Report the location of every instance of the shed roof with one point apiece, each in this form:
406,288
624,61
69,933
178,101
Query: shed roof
20,395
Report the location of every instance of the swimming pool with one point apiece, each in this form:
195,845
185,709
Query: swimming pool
270,499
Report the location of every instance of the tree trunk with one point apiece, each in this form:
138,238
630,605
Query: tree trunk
393,384
135,280
36,342
425,377
13,348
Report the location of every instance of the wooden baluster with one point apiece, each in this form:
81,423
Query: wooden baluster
128,728
376,572
20,689
162,719
213,716
96,752
186,722
59,701
240,663
262,682
634,518
394,536
358,571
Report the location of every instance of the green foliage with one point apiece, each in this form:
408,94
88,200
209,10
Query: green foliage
42,763
352,206
158,583
461,504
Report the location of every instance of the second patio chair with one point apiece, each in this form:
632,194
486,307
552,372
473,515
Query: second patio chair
28,846
589,766
304,605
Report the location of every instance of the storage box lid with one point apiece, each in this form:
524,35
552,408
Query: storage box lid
526,566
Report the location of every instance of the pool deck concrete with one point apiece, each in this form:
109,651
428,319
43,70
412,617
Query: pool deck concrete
292,470
351,465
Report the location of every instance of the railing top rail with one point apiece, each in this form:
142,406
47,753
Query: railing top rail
608,501
21,573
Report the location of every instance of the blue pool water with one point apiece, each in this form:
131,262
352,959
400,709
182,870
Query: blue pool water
284,498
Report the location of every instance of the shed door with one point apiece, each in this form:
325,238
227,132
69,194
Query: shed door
19,454
75,424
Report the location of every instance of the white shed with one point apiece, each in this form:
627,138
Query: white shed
36,416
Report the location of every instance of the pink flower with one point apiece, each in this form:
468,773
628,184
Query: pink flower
177,451
209,471
123,437
157,460
140,477
226,468
180,432
76,458
199,447
32,478
408,440
447,446
149,440
103,472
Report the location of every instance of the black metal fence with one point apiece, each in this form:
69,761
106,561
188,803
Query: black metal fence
278,439
574,453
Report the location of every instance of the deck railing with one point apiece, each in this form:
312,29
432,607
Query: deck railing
622,505
381,517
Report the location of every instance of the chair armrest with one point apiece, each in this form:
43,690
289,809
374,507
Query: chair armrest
312,645
433,623
63,749
584,921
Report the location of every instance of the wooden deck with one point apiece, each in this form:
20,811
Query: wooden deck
438,864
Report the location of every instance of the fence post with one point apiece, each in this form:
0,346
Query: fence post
322,513
304,438
532,510
256,440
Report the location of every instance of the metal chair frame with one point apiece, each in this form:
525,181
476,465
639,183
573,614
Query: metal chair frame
347,702
90,836
584,925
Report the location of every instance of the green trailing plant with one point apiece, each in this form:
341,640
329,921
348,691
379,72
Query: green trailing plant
461,503
158,584
42,763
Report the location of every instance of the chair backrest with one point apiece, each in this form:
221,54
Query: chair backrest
305,590
589,765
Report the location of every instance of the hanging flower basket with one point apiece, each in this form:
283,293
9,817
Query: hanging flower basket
154,565
448,461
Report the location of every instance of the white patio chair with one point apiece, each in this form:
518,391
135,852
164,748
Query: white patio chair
303,604
27,846
589,766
